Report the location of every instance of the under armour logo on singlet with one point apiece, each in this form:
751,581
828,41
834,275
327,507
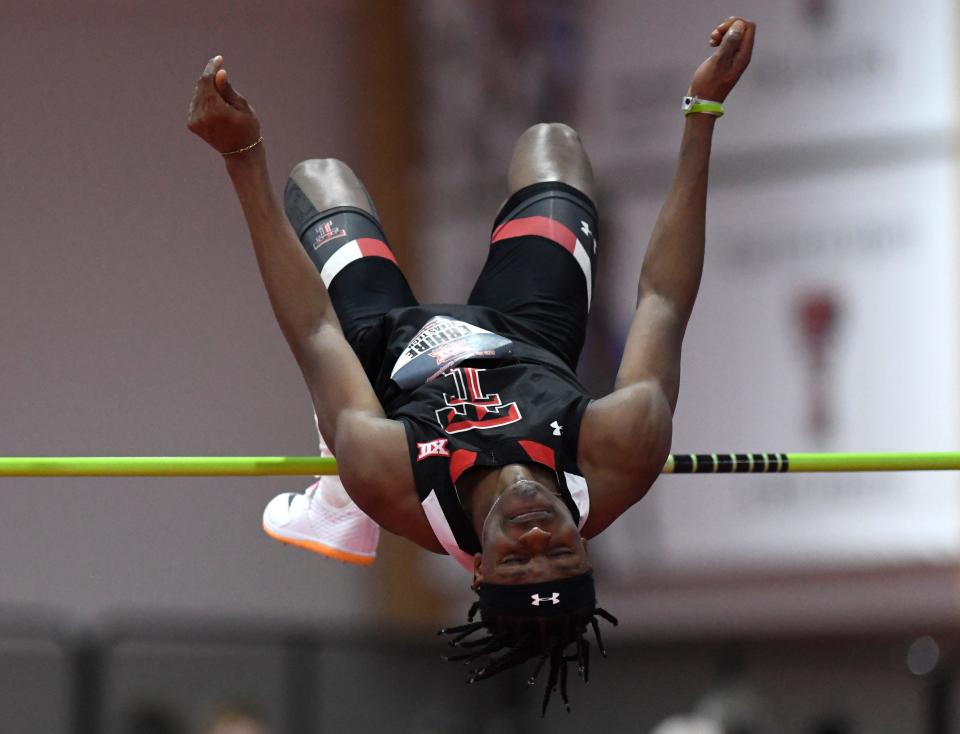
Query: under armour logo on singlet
554,598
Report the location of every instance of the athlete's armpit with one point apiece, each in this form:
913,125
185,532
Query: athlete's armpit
624,442
374,465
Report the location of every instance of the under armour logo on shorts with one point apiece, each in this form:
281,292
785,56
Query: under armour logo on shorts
554,598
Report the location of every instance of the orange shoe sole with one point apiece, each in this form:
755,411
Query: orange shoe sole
323,550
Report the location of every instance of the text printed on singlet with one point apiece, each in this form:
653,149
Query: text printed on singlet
442,343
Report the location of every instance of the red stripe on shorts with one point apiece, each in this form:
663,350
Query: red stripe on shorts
545,227
374,248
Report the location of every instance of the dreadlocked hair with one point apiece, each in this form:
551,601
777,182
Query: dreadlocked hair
506,641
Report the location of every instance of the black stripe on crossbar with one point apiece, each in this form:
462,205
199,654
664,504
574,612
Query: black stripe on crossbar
726,463
730,463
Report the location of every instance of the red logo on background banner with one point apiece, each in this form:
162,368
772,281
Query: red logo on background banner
819,312
471,408
429,449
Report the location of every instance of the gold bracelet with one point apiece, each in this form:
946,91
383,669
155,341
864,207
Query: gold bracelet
252,145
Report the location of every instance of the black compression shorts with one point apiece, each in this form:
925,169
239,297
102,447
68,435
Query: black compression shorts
540,269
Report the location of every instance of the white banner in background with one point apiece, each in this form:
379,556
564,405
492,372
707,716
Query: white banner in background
833,70
827,321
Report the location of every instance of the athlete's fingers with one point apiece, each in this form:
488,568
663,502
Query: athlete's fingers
731,41
205,89
212,65
745,51
717,34
205,97
210,70
226,90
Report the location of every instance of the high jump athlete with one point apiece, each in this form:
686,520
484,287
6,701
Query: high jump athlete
462,427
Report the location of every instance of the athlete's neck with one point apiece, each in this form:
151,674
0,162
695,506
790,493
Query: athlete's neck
480,487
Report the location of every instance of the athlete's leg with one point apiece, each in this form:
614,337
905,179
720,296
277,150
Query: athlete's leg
337,223
329,183
323,519
550,151
542,259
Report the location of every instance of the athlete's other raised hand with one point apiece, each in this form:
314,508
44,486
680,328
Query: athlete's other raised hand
219,114
716,76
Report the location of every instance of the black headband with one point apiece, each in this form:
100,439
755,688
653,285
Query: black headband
549,598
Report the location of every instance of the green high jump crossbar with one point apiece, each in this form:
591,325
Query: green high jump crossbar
211,466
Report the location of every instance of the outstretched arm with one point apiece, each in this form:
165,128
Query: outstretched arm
300,302
368,446
635,421
670,276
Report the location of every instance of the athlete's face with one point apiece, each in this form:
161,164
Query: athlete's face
529,536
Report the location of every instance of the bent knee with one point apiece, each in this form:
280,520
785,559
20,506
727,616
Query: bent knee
556,137
550,151
330,183
558,132
323,169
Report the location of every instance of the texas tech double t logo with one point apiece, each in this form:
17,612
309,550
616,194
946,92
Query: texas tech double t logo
472,408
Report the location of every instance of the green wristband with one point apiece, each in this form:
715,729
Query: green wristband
706,106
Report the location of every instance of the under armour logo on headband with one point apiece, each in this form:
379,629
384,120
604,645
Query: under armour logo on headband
554,598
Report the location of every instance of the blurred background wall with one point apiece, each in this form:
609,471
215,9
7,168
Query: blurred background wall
134,321
135,324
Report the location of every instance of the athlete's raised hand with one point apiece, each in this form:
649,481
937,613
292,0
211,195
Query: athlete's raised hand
219,114
716,76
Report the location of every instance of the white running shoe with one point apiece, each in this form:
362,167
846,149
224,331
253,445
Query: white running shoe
324,520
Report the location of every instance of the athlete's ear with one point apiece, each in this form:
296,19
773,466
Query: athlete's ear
477,575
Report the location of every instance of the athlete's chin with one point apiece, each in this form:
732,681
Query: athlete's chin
525,497
522,498
524,489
